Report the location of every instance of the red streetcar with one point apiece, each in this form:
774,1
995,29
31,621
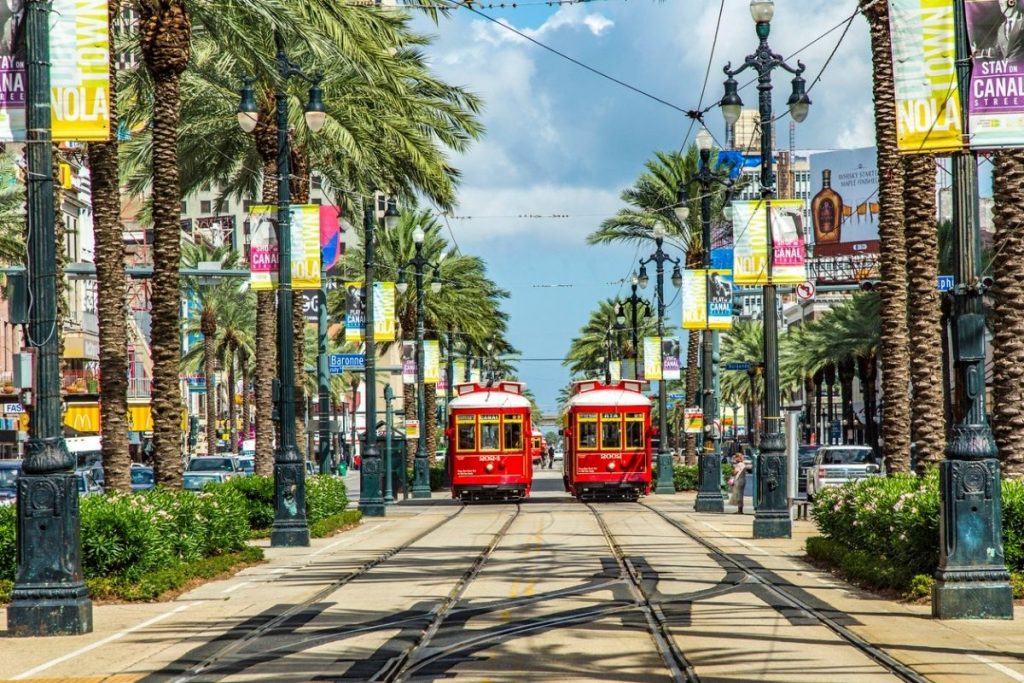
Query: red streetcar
490,429
607,431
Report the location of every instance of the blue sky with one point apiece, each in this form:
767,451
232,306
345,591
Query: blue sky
561,140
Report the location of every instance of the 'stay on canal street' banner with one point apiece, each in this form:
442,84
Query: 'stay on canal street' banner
996,105
79,72
750,253
927,101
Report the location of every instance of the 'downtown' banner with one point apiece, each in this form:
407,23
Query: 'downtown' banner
79,71
995,107
431,361
305,240
750,252
927,101
652,358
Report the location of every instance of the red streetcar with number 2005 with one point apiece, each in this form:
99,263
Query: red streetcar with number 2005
607,430
489,429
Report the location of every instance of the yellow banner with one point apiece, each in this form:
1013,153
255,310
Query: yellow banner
750,252
652,358
431,361
927,97
305,242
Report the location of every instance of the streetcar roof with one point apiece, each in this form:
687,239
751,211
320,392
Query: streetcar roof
476,396
616,398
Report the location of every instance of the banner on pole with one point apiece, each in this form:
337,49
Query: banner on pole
305,243
615,370
707,299
408,362
412,429
925,80
79,71
694,420
384,325
460,372
652,358
750,253
670,358
355,312
431,361
995,108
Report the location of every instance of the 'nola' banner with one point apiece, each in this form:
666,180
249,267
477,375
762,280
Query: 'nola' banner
383,312
305,239
615,371
750,251
79,71
652,358
707,299
431,361
927,100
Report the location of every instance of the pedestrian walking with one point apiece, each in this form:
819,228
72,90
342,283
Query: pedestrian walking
738,481
551,457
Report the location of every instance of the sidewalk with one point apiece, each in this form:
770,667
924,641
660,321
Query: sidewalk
944,651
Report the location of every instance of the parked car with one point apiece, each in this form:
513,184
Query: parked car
9,471
805,460
440,455
87,485
142,478
559,454
195,481
312,468
248,464
836,465
227,464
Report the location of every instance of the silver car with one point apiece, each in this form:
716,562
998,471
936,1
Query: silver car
836,465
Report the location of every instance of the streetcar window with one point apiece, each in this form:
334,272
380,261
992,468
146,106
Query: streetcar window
586,427
513,433
466,436
611,432
635,433
489,432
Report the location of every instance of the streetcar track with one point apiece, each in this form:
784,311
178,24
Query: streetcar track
400,667
878,655
680,668
212,661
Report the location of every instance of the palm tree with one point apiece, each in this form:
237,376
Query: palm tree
744,343
893,257
1008,310
588,353
928,425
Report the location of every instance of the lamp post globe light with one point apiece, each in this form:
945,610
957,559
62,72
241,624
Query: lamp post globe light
634,301
771,516
49,596
665,483
421,467
709,490
290,528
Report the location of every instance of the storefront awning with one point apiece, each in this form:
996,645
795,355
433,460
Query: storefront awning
83,417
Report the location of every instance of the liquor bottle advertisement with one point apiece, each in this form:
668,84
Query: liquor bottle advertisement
844,204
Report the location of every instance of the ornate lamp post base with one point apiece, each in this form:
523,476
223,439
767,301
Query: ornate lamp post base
771,511
709,495
290,529
665,483
371,505
44,601
421,478
972,582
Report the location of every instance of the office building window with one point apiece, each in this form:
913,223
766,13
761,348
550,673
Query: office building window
205,206
184,207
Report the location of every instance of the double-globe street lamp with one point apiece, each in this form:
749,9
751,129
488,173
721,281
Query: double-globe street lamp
613,344
709,491
771,516
421,469
290,527
634,301
665,484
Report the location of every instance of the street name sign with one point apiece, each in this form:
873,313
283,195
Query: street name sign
737,366
340,362
946,283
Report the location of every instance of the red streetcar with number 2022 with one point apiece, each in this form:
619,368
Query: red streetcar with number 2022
489,429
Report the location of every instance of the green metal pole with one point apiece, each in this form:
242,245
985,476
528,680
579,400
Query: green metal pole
290,528
371,501
323,376
49,596
971,581
421,468
666,483
389,494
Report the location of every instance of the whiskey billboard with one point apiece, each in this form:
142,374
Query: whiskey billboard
844,204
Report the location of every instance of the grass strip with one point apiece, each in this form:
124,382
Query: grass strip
335,523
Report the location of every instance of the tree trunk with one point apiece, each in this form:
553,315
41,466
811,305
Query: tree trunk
846,373
927,418
830,383
430,406
211,394
819,380
246,398
692,393
111,296
867,369
409,405
266,307
299,195
232,412
893,257
1008,312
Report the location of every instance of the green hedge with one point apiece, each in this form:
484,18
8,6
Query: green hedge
437,475
684,477
325,497
893,522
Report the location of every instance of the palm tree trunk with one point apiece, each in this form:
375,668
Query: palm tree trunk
266,307
430,409
246,397
1008,312
830,383
819,379
111,296
165,36
299,195
409,405
211,394
846,372
868,370
893,258
927,418
232,412
692,394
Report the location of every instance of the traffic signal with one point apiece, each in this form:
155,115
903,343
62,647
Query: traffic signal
869,285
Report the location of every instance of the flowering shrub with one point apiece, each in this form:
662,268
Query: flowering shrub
8,560
325,497
896,519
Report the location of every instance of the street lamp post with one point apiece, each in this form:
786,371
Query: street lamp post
290,528
49,596
665,483
421,468
634,302
389,495
709,474
771,515
323,376
971,581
